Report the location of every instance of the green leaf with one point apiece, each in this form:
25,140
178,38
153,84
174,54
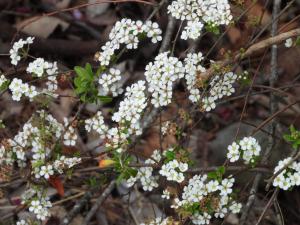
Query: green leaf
210,27
89,70
105,99
221,170
4,86
212,175
298,41
170,155
80,71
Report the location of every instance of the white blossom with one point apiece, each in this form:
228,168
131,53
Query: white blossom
127,32
18,46
161,75
288,42
200,12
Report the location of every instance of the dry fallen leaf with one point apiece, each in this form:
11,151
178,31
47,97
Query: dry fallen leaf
94,10
42,27
55,181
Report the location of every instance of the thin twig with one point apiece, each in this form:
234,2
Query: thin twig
272,199
77,207
98,202
273,109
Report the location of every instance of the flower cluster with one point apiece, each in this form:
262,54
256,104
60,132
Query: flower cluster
248,148
127,32
16,52
161,76
174,170
200,12
220,86
64,163
128,118
38,202
96,123
192,68
40,208
38,136
131,108
70,135
289,177
212,198
160,221
109,82
145,174
40,67
18,89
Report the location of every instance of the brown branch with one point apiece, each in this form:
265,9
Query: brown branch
98,202
273,102
251,50
265,122
272,199
232,168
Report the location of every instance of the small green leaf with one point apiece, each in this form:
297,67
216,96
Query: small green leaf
297,41
80,71
221,170
212,175
89,70
210,27
170,155
105,99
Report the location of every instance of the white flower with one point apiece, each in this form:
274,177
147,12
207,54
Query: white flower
65,163
288,177
192,30
15,51
22,222
196,12
70,136
173,170
35,206
97,124
31,93
2,80
226,186
212,186
209,104
233,152
131,181
235,207
132,107
248,146
110,82
192,66
46,171
288,42
127,32
201,218
220,213
166,194
39,67
161,75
